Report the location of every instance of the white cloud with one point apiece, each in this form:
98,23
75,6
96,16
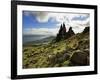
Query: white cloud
60,17
67,18
78,29
42,16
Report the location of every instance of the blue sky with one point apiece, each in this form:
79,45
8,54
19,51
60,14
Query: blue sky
81,18
48,23
30,21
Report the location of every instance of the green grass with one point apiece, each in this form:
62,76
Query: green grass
49,55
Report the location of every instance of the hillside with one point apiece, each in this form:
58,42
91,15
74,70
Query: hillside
68,51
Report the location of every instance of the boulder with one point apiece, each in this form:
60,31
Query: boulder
80,58
87,51
52,58
64,57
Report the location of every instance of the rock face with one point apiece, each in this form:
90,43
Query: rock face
62,34
80,58
86,30
69,33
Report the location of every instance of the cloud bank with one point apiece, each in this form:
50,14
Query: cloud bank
77,21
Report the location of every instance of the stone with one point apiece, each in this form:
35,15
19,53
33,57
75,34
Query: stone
80,58
86,30
62,34
66,56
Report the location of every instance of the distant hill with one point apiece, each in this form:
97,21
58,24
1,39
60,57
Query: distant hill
40,41
48,39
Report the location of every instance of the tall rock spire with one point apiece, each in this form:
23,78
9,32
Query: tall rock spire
71,32
62,34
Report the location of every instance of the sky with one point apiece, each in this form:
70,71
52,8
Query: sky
48,23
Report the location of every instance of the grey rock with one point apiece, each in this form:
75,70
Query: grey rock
80,57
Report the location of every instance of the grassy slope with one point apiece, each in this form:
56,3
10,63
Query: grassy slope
54,54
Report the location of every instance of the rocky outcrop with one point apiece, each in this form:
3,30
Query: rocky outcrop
86,30
69,33
62,34
80,57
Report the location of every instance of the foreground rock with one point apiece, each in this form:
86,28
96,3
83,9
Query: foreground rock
80,57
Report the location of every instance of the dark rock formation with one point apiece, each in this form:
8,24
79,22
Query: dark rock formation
62,34
69,33
86,30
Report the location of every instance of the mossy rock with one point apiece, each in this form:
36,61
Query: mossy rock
66,56
65,63
87,51
79,57
52,59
